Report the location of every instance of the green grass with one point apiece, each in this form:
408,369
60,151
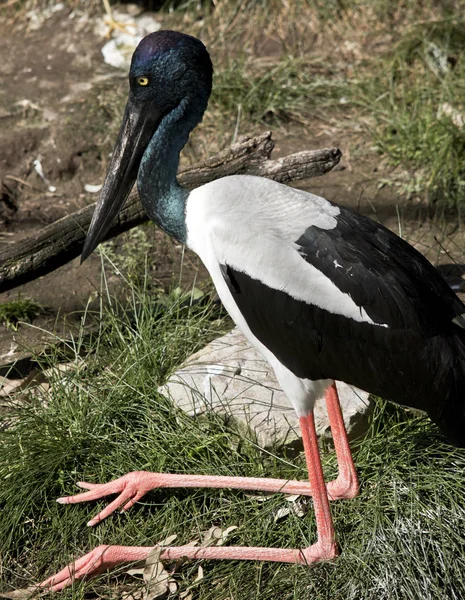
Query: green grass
21,309
412,90
284,89
310,67
402,537
415,96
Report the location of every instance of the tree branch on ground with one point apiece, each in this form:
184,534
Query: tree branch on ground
60,242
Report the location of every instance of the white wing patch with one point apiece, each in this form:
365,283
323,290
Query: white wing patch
250,224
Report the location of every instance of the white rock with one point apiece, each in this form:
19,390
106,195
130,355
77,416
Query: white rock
93,189
230,377
119,50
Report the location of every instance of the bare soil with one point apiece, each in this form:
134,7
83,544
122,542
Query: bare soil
60,103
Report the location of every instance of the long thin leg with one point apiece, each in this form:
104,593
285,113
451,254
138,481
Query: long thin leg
346,485
105,557
324,522
133,486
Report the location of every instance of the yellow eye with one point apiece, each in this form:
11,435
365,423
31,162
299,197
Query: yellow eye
143,80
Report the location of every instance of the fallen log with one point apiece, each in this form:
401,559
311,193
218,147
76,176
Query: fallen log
60,242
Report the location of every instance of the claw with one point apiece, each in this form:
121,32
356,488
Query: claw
131,488
97,561
88,564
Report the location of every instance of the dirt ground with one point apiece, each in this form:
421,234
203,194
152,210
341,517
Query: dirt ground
56,100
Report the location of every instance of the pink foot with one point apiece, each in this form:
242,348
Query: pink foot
131,488
97,561
104,558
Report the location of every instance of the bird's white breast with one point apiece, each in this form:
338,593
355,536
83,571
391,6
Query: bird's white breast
252,224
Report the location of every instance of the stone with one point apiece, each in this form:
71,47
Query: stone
231,378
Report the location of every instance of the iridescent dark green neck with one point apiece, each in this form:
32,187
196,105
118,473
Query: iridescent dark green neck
162,197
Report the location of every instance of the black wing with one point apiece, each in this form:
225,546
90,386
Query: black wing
408,361
382,273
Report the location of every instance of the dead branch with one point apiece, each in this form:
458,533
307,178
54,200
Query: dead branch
60,242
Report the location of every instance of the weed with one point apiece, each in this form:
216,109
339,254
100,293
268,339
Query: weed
271,91
15,311
416,97
131,261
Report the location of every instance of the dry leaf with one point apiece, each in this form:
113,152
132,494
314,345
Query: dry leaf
298,507
173,586
168,541
210,537
187,594
216,536
292,497
259,497
152,564
225,533
158,580
23,594
199,575
135,572
138,569
8,386
281,513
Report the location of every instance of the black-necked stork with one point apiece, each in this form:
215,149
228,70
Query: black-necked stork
324,293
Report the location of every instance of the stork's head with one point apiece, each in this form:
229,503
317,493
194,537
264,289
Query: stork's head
168,68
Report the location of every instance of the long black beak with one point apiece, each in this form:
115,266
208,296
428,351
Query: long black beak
140,122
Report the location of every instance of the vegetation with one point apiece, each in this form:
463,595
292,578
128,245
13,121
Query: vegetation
418,104
394,71
15,311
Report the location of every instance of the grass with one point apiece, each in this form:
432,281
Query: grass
15,311
416,98
327,65
316,63
272,91
401,538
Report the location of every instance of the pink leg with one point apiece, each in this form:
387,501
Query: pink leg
346,484
325,548
97,561
133,486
